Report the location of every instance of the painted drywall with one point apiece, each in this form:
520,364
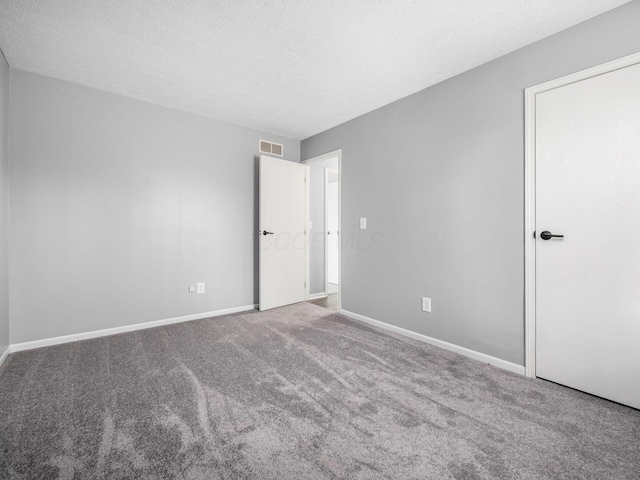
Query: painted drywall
4,204
439,176
119,206
316,214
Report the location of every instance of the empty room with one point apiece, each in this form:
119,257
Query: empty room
319,240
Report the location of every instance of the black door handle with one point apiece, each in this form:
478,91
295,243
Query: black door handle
547,235
264,232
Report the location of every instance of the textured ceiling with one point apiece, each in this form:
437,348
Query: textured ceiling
294,67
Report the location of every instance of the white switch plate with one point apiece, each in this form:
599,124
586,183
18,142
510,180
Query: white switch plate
310,225
192,289
426,304
363,224
201,287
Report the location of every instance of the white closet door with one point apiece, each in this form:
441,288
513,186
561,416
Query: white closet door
333,237
588,189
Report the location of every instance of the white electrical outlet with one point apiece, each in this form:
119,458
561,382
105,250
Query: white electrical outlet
201,287
363,224
426,304
192,289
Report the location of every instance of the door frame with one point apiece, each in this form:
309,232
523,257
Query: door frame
311,161
530,193
327,171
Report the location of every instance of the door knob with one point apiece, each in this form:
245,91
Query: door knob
547,235
264,232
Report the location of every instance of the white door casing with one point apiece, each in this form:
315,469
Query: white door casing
321,158
584,157
283,217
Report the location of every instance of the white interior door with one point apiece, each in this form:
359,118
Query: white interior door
283,222
333,239
588,189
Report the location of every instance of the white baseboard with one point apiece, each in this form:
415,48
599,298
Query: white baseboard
315,296
5,354
47,342
481,357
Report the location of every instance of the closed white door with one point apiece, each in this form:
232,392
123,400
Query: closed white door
333,235
588,190
283,220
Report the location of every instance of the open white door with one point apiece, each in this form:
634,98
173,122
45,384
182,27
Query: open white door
283,239
588,229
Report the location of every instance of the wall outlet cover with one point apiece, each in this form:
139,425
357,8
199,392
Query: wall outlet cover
363,223
201,287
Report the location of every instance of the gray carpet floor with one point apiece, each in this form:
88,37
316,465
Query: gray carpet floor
295,393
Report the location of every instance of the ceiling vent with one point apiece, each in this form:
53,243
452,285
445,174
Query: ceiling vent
271,148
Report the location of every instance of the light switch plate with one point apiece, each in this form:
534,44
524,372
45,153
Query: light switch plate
426,304
363,223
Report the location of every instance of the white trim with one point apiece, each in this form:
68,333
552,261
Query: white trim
320,158
529,240
608,67
5,354
323,157
307,246
339,230
315,296
47,342
481,357
530,192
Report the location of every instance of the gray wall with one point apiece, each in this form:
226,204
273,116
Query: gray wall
439,175
4,204
119,205
316,213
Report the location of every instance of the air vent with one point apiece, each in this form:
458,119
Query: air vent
271,148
